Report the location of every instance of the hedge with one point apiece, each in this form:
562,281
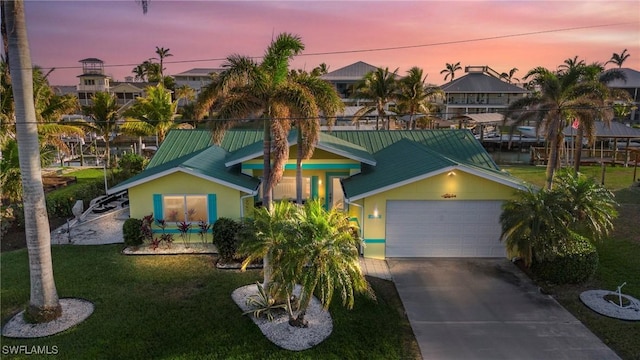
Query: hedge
573,262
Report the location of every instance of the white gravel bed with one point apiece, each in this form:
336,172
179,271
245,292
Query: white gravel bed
594,299
174,249
74,311
280,332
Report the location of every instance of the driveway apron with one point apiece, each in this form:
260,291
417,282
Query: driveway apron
467,308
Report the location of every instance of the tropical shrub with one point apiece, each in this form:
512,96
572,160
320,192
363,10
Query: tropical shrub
263,303
225,237
572,262
145,228
552,226
132,232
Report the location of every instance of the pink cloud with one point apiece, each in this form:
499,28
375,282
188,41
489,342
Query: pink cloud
61,33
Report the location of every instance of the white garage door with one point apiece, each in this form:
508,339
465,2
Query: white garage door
444,229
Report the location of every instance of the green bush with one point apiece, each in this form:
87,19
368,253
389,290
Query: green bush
132,232
60,202
571,262
225,237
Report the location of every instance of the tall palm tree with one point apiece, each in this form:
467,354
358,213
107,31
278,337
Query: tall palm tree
320,70
562,98
329,103
415,95
44,304
140,73
320,253
247,89
152,114
570,64
162,54
618,59
601,94
450,70
104,113
380,88
509,76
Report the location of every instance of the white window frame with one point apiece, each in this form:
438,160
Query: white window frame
184,197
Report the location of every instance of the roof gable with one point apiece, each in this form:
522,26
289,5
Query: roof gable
207,163
480,83
632,81
407,161
355,71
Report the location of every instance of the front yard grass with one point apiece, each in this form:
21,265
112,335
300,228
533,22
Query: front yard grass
619,260
180,307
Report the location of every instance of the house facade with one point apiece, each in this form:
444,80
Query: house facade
481,90
196,78
411,193
632,86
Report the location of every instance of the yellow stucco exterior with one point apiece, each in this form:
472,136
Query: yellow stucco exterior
462,185
141,196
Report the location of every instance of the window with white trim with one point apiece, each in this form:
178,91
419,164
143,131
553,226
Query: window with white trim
188,208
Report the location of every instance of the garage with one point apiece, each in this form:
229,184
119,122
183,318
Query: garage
444,229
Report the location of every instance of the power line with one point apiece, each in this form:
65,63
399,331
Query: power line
339,52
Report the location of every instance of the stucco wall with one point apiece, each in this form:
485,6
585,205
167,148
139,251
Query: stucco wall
141,196
463,186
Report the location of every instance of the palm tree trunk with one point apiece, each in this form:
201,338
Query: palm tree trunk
44,304
577,146
266,172
299,169
554,152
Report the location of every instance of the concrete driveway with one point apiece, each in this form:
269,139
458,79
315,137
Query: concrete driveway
487,309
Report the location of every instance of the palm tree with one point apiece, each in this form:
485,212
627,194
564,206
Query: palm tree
44,304
618,59
329,102
533,220
562,98
185,92
592,207
379,87
509,76
571,64
320,70
272,228
601,94
247,89
415,95
104,113
152,114
140,73
320,253
162,54
536,221
450,70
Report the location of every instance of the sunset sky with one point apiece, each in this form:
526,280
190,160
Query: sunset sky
435,33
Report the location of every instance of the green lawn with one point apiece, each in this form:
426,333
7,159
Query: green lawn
180,307
619,260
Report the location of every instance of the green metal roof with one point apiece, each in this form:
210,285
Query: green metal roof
326,142
406,161
458,145
180,142
401,161
207,163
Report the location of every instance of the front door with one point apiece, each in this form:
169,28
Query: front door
335,195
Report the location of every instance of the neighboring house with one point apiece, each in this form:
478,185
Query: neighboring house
632,86
196,78
93,79
412,193
346,77
481,90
